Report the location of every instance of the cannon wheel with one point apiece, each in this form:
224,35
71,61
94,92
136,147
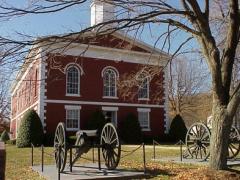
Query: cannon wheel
60,140
234,143
198,141
111,147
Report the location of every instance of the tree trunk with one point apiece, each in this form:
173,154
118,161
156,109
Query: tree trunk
219,138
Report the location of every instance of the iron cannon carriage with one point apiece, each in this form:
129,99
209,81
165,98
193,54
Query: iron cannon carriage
198,141
108,141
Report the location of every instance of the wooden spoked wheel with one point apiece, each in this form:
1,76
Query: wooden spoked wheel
234,143
198,141
111,147
60,141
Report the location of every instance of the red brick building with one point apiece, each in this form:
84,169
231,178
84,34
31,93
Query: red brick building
67,82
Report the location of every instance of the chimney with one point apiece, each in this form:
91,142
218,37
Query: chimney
101,11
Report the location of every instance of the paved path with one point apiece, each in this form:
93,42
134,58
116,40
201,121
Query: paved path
194,161
88,171
157,147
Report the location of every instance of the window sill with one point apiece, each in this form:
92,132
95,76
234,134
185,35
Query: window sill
109,97
143,99
72,129
146,129
73,95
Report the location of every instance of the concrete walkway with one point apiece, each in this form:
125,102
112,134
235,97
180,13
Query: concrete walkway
87,171
235,162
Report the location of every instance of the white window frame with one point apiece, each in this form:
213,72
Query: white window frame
79,73
114,109
148,84
71,107
116,74
144,110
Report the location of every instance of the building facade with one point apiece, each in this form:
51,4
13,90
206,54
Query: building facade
67,82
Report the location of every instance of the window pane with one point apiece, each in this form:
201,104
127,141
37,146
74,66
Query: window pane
72,118
143,118
72,81
109,83
143,88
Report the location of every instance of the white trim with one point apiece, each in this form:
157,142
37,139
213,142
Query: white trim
74,64
103,103
143,99
112,54
72,107
79,81
73,95
136,42
30,107
110,97
166,103
106,108
110,67
42,85
143,109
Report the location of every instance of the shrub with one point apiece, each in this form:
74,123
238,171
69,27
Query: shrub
178,129
12,142
48,139
30,130
130,130
4,136
96,121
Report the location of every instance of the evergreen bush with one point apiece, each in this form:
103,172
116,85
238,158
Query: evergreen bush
30,130
130,130
96,121
4,136
178,129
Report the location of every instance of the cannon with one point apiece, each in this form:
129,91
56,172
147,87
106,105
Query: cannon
108,141
198,141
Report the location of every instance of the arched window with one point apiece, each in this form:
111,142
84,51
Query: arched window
143,90
73,81
109,82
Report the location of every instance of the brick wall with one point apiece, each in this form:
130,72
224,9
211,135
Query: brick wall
2,160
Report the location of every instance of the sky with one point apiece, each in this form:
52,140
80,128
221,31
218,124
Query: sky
71,19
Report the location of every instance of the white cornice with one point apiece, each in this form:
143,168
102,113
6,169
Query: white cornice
113,54
57,101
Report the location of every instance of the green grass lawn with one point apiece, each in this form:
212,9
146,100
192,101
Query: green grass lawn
19,161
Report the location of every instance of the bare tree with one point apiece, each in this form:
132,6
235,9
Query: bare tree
4,101
187,80
189,16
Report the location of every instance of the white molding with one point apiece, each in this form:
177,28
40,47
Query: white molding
73,95
143,109
74,64
143,99
107,108
112,54
102,103
166,102
30,107
72,107
110,97
42,85
110,67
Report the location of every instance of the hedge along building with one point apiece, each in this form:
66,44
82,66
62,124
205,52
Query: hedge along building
66,81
